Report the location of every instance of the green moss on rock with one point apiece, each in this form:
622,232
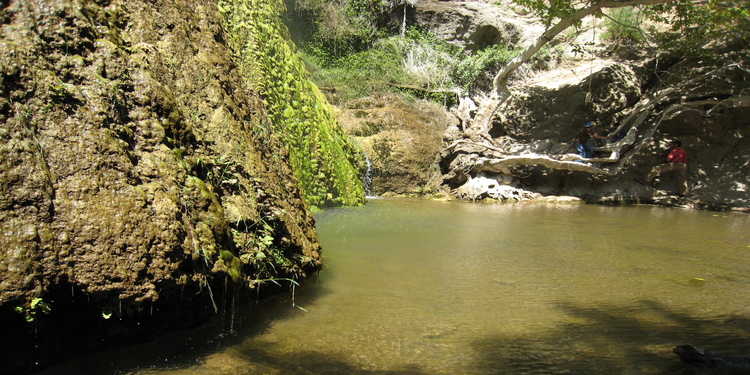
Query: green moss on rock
328,164
139,178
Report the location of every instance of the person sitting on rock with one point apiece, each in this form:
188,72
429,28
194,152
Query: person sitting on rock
581,142
676,162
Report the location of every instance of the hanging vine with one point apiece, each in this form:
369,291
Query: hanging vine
328,164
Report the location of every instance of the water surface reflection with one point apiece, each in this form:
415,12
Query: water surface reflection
420,287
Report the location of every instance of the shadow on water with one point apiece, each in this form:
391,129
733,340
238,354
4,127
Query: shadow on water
312,362
613,340
609,339
184,349
234,353
209,349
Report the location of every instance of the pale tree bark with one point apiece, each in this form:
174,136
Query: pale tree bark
500,92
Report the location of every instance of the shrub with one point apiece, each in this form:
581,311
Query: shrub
624,25
417,60
478,68
338,27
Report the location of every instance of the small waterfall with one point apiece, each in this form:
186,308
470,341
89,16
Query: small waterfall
368,178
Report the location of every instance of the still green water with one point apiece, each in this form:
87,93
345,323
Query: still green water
423,287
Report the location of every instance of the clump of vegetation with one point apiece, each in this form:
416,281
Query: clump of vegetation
357,74
340,27
416,61
693,24
35,308
480,67
623,25
253,252
327,163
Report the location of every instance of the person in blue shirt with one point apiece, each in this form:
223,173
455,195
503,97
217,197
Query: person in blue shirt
582,140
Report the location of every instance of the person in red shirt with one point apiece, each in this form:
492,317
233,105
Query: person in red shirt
676,162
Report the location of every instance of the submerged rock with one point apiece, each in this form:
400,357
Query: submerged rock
704,358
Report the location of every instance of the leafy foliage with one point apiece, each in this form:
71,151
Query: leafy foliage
480,67
418,59
548,11
326,161
624,25
690,23
342,27
358,74
694,24
36,307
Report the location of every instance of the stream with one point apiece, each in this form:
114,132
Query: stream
423,287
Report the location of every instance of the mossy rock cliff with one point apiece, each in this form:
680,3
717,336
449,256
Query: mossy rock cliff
140,176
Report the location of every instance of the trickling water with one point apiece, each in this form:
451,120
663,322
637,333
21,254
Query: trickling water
420,287
368,177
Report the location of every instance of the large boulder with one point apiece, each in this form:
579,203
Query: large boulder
135,186
401,139
474,25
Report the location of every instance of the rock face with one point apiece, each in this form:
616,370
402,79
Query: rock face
703,105
402,140
651,98
135,180
474,25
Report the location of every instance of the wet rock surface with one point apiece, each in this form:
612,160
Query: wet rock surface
134,180
402,140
